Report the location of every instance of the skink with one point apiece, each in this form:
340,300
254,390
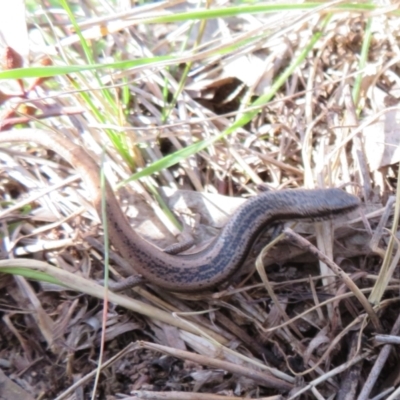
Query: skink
216,263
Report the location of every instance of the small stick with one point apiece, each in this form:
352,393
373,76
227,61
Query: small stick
303,243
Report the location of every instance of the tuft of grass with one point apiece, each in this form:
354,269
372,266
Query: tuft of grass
214,99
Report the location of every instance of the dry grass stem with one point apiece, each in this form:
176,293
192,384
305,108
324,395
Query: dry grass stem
190,109
339,272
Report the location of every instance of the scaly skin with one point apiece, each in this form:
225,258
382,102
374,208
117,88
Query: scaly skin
216,263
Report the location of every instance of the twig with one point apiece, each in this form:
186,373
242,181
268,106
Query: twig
339,272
